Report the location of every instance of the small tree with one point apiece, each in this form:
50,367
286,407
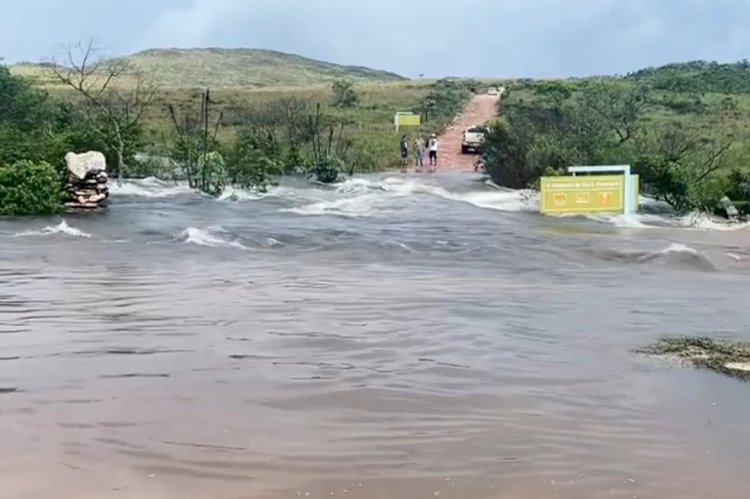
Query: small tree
278,128
248,166
619,106
115,96
343,94
678,166
195,141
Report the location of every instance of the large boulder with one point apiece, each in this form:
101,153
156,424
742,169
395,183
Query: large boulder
79,165
86,186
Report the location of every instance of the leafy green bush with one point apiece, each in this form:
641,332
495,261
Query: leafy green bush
211,173
249,166
28,188
666,180
739,185
506,157
327,169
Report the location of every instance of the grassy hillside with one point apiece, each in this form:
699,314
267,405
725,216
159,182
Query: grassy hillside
232,68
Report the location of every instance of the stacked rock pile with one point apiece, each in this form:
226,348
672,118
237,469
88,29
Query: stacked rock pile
86,183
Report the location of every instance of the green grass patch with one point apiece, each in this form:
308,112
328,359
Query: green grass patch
731,358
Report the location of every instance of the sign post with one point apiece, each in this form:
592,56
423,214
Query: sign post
591,193
406,119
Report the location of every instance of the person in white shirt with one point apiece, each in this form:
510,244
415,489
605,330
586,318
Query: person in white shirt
433,147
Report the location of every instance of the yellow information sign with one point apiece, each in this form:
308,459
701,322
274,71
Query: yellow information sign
585,194
408,120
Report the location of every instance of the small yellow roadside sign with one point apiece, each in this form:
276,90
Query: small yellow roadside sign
408,120
585,194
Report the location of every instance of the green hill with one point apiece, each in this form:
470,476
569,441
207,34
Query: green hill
698,77
244,68
232,68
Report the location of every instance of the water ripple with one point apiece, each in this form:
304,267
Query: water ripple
397,338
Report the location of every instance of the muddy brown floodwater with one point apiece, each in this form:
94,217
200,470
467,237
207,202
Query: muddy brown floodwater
392,337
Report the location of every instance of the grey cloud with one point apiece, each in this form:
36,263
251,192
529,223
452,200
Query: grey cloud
435,37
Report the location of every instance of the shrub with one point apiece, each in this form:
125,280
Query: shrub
343,94
666,180
327,169
211,173
28,188
249,165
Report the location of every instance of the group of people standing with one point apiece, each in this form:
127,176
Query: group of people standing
420,146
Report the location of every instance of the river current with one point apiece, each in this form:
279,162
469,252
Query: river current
396,336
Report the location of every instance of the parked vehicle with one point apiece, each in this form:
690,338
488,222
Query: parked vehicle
472,140
493,91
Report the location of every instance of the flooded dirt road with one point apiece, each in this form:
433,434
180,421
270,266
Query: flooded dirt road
479,110
396,336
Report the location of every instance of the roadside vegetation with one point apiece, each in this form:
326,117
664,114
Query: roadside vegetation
242,136
36,131
683,127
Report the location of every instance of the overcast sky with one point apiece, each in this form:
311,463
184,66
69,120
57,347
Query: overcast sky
438,37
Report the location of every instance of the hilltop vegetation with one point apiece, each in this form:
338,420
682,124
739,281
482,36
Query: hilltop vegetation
230,68
699,77
684,127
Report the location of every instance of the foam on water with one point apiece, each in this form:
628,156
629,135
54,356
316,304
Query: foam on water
361,197
61,228
149,187
675,255
633,221
361,206
694,221
507,200
358,186
235,194
372,196
679,248
207,237
703,221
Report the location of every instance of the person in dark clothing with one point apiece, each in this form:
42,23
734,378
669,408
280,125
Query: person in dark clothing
404,152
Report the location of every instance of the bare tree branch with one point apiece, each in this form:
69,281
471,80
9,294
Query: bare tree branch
712,162
112,106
